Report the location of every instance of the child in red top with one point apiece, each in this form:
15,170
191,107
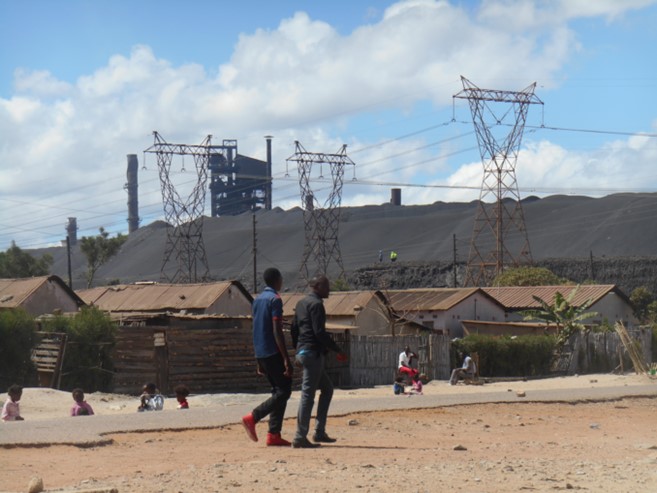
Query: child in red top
181,396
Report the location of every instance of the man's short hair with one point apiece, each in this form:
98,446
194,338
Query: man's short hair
271,276
317,280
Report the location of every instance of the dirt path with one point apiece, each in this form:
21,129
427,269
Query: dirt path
601,447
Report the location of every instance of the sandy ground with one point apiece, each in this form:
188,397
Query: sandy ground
608,446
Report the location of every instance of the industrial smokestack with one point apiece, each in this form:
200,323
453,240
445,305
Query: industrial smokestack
269,184
133,197
72,230
395,196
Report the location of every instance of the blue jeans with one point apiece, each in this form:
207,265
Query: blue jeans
314,377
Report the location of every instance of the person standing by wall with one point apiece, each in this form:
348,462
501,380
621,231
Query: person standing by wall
272,359
313,343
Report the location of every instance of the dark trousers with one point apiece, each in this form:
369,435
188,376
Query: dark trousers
281,388
314,377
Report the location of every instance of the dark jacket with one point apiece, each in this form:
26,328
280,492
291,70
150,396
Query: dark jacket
310,322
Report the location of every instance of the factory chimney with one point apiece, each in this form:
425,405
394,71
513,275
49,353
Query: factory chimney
395,196
269,184
72,230
133,197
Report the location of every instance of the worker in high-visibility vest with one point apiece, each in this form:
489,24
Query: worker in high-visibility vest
393,255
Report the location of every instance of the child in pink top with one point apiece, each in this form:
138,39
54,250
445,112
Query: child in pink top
81,407
417,384
11,410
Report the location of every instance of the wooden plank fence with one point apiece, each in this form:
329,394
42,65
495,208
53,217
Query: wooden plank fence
214,356
604,351
374,359
218,357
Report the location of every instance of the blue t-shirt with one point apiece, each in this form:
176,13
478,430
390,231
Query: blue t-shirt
267,307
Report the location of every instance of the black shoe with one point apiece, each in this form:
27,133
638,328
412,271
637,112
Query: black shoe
303,443
323,437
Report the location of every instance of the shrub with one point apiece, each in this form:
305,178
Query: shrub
91,339
17,336
520,356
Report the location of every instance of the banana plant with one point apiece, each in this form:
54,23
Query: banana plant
562,314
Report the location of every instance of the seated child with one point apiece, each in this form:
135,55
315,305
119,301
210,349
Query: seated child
11,410
81,407
181,396
417,384
398,386
151,399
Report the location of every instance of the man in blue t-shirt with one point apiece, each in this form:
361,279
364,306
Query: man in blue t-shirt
272,359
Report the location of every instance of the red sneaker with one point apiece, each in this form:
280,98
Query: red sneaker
275,440
249,424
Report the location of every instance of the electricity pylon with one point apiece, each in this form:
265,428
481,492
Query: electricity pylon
499,236
184,242
321,220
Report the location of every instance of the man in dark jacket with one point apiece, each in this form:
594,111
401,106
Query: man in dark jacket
312,346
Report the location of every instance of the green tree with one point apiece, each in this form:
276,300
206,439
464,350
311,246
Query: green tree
98,250
529,276
641,299
17,337
340,284
561,313
15,263
91,339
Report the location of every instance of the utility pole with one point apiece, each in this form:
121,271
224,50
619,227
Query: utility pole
255,251
591,264
454,261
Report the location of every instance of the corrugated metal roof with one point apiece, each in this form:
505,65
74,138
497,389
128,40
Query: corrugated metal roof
434,299
521,297
159,297
14,292
339,303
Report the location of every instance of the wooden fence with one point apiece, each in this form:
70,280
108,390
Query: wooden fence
207,356
604,351
217,356
374,359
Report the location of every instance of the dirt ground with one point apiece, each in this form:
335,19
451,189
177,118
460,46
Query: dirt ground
592,446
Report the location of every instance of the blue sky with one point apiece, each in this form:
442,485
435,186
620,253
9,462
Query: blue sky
83,83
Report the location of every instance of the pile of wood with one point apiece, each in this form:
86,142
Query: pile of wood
633,349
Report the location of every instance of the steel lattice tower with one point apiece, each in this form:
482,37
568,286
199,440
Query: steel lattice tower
499,236
321,221
185,215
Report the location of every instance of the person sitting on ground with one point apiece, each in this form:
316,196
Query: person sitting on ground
151,399
405,361
467,370
80,406
11,410
181,396
417,384
398,386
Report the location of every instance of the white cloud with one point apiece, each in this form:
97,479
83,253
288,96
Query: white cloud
39,83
